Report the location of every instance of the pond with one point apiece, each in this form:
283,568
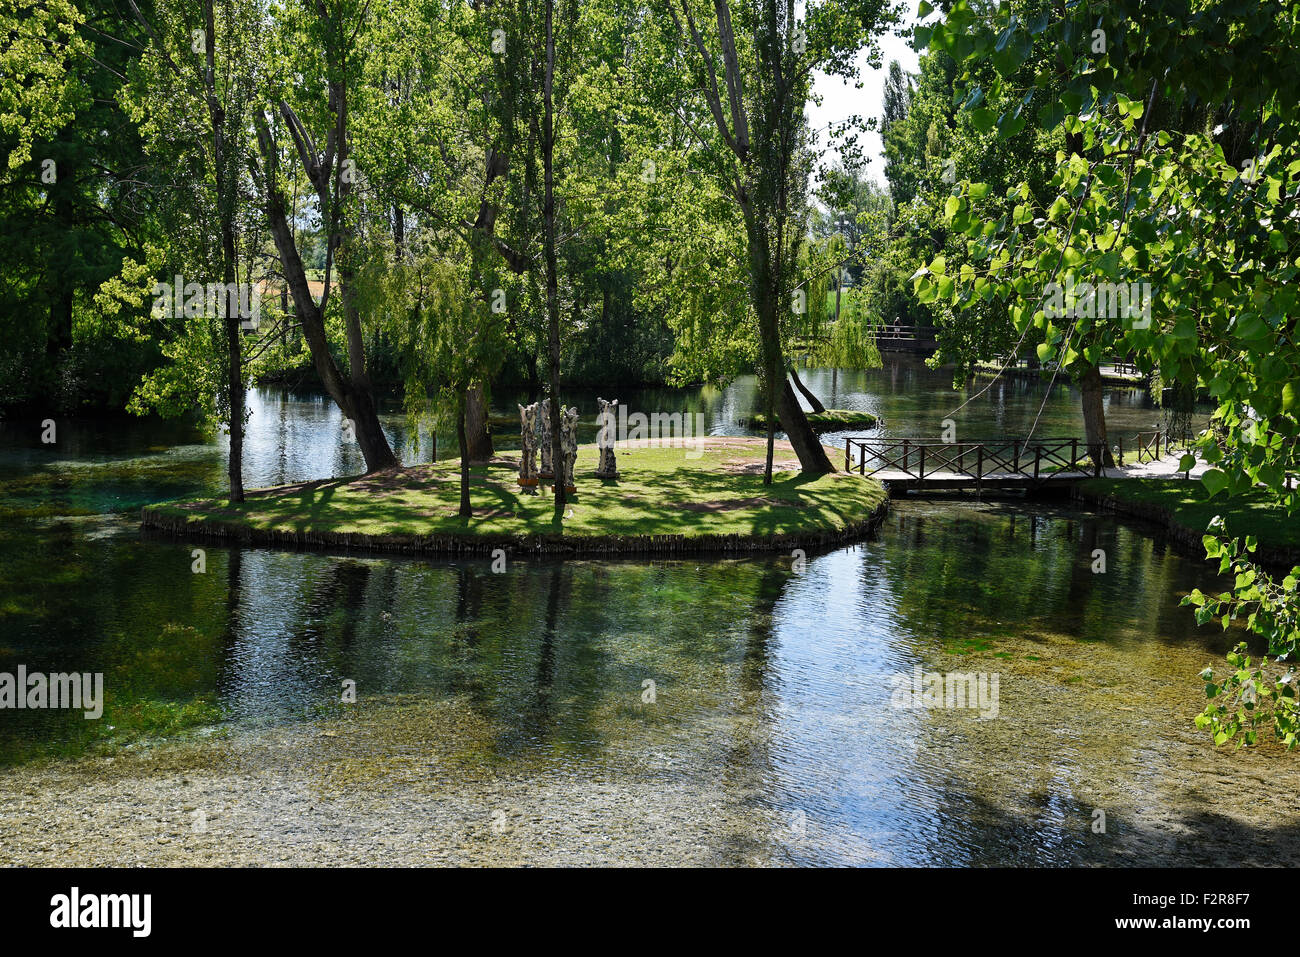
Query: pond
699,711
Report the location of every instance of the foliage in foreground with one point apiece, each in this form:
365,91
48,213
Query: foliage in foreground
1180,177
1252,695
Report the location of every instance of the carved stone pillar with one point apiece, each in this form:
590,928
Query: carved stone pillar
528,446
569,445
607,467
544,438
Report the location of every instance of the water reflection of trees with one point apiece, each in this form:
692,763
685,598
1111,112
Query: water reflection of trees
1010,567
552,653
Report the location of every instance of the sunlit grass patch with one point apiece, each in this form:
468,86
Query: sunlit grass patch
716,490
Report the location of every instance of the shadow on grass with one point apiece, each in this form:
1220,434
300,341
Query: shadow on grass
650,497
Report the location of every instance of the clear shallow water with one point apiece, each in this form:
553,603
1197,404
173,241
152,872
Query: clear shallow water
772,710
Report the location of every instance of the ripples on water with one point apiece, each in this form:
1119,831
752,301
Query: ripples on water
772,687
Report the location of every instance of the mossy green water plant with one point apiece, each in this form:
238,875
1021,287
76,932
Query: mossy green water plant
832,420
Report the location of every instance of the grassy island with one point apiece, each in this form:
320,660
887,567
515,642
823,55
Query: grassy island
710,498
832,420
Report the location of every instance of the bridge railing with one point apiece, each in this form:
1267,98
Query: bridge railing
919,459
902,332
1152,445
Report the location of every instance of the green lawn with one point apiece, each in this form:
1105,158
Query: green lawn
832,420
1190,506
660,492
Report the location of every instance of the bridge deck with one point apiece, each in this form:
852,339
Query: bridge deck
1015,463
970,480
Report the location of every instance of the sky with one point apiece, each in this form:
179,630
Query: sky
841,100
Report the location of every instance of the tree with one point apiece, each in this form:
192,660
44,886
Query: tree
192,99
75,199
549,256
39,95
895,109
1181,182
321,60
442,326
766,71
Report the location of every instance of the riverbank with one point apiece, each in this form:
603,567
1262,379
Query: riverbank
708,497
1109,374
1185,509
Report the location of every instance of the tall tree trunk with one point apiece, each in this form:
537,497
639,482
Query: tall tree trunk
807,446
762,193
399,231
812,456
370,434
234,359
59,338
465,510
235,385
1090,384
477,435
770,412
285,324
1094,414
548,244
803,390
226,215
353,394
533,377
352,397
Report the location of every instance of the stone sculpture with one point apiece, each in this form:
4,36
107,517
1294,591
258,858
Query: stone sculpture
569,445
544,438
528,447
607,467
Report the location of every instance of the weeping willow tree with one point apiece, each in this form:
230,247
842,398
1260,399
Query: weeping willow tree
853,338
829,328
438,300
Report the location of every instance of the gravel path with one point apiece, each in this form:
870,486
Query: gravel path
1164,467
